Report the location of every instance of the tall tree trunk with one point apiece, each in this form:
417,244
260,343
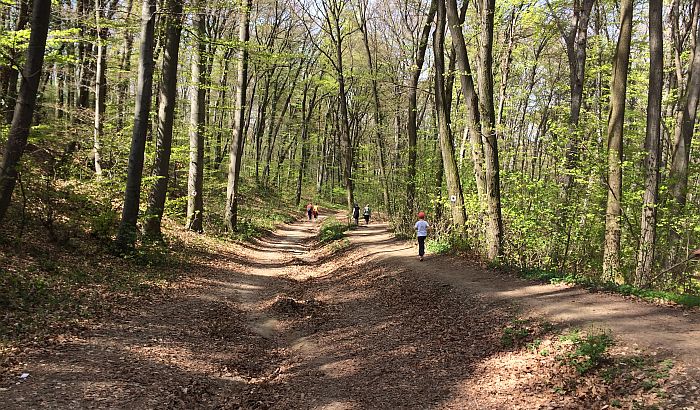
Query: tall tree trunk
576,39
412,124
100,88
680,149
126,236
613,230
454,186
471,99
26,102
652,145
166,114
377,118
195,180
235,154
494,233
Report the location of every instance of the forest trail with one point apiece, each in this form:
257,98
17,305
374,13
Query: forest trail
282,323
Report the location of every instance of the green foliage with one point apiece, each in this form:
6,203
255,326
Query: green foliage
515,333
332,230
647,294
588,351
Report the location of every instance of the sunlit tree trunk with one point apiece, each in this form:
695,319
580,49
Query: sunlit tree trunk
195,180
618,93
454,186
235,152
652,144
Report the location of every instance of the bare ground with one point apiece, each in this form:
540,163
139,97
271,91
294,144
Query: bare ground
283,323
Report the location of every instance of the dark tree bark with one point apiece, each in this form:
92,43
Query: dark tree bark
166,114
652,144
195,181
235,152
26,102
126,236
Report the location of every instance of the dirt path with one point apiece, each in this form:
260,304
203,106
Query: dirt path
283,324
673,330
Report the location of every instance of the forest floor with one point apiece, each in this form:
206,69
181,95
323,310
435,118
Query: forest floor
285,323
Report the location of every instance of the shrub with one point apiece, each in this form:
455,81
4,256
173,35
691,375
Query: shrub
332,230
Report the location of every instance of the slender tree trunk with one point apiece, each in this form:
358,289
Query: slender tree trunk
576,39
454,186
471,99
26,102
412,124
377,118
652,144
126,237
613,229
100,89
680,151
494,237
166,116
234,169
195,180
124,67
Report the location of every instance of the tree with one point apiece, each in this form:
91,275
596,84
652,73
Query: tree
26,102
166,112
451,172
126,237
652,144
195,181
613,230
235,151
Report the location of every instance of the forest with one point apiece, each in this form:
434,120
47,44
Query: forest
550,136
145,143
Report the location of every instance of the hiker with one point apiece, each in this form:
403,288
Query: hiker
356,213
421,232
309,210
315,212
366,213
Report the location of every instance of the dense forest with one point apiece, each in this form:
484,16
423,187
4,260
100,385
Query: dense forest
545,135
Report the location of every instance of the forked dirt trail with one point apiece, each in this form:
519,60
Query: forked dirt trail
283,323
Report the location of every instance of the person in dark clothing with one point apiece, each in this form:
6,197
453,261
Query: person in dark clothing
309,209
356,213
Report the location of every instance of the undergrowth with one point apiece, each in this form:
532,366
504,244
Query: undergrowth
647,294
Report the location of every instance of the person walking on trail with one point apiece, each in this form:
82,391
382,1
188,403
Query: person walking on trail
309,210
366,213
315,212
421,232
356,213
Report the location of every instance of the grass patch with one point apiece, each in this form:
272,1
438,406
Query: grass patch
647,294
588,352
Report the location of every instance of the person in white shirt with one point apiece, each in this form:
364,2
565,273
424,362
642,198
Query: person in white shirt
421,232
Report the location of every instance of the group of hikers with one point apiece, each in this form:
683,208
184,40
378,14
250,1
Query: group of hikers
421,226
